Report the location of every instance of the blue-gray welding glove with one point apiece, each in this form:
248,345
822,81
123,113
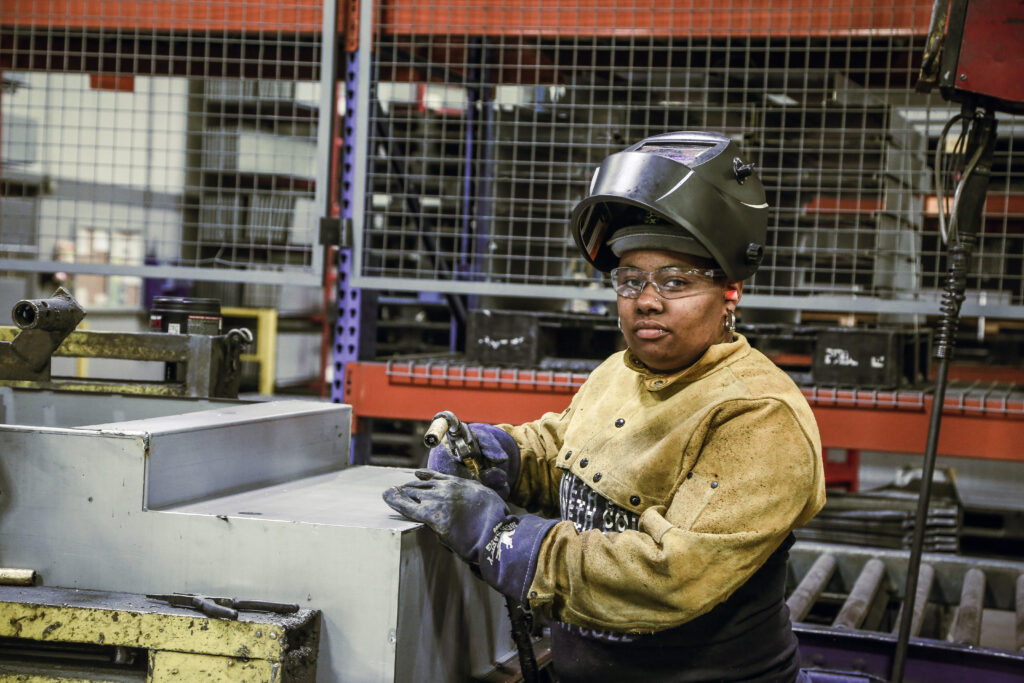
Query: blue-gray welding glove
499,449
476,524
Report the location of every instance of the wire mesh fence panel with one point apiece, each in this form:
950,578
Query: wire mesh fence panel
161,137
487,120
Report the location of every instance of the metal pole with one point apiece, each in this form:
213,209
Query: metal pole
967,212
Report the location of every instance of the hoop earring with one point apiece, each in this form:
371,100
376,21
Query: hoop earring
618,323
730,321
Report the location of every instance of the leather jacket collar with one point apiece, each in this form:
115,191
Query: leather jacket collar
716,355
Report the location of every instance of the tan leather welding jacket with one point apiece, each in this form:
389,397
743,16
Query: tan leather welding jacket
721,461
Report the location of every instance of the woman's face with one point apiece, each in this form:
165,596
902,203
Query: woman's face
671,334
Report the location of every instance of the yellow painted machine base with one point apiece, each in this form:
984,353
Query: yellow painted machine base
62,635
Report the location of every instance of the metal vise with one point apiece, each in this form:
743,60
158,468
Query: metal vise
43,325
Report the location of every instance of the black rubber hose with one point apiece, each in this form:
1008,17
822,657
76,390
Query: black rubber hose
524,644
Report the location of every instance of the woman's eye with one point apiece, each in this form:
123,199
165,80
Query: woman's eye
676,283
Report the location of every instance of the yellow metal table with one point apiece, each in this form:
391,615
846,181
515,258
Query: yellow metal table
60,634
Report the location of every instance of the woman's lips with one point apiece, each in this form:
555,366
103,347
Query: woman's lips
648,331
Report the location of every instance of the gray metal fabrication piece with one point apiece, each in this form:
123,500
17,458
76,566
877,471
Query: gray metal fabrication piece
252,500
196,365
205,365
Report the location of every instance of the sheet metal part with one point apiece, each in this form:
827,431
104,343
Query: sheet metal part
128,632
884,517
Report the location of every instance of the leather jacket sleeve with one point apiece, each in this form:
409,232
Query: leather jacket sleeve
536,488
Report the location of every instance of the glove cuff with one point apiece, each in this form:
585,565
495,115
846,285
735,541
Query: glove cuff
508,561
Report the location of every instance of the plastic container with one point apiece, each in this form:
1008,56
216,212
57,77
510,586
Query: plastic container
185,315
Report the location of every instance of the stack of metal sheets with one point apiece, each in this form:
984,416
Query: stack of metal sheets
884,517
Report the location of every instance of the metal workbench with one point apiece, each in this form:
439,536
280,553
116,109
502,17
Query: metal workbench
250,500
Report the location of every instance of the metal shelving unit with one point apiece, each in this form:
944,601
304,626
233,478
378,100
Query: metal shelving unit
189,131
484,122
485,128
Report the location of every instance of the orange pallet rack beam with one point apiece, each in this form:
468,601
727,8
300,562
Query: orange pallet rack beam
655,18
980,420
282,15
604,18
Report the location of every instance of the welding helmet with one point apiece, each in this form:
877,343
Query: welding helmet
689,192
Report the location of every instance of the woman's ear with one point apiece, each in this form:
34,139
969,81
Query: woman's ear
733,291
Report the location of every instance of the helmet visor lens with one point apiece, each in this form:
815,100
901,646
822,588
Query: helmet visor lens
670,282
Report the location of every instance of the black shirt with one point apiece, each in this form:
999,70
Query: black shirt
748,637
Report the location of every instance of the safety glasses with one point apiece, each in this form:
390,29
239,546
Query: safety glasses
670,282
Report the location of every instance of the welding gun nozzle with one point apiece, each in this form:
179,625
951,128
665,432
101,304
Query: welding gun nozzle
437,429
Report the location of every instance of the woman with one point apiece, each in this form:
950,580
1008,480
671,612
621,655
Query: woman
664,497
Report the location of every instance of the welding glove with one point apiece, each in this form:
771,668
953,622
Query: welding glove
475,523
499,449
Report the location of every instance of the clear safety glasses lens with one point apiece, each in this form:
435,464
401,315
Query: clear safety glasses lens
670,283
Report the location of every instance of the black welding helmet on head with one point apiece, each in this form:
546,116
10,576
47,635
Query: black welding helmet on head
688,192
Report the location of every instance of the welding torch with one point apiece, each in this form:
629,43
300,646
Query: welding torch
464,447
461,442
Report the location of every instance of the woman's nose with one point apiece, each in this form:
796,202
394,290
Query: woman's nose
649,297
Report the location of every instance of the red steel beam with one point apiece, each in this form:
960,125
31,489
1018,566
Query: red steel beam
900,431
608,18
992,429
183,15
996,204
153,37
656,18
474,394
830,206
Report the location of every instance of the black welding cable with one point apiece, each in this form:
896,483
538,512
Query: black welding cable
942,172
